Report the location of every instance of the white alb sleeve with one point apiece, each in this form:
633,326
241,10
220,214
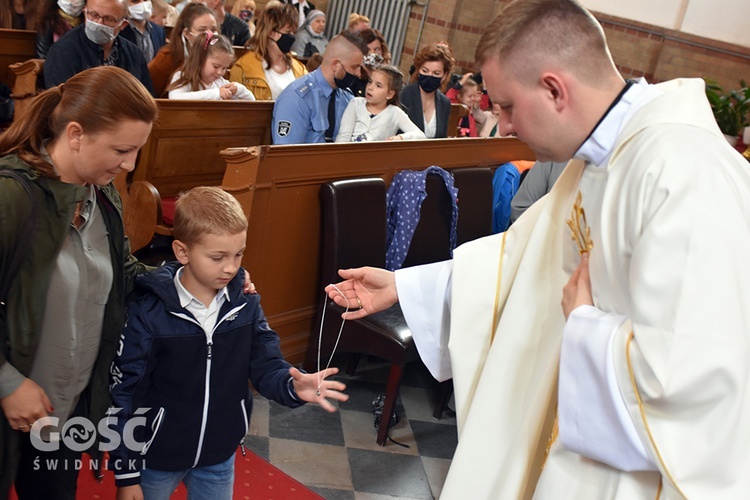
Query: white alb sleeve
424,293
593,420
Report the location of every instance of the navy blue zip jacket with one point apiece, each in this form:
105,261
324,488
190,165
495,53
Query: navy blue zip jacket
196,392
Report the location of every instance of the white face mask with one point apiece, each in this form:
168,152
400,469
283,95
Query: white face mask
141,11
99,33
72,8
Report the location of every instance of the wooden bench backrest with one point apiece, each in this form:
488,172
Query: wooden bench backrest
15,46
183,149
458,111
279,186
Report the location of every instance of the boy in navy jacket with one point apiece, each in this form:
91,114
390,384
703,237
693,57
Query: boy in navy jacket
191,343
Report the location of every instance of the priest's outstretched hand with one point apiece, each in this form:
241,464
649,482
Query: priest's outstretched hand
366,290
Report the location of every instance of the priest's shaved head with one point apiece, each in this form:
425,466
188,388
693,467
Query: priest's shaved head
547,62
529,34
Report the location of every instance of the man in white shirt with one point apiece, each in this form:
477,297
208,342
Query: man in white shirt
638,385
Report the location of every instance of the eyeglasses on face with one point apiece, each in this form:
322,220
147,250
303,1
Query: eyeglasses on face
110,21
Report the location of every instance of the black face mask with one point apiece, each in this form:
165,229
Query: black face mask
346,82
285,42
428,83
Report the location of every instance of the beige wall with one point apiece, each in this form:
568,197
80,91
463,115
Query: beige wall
639,49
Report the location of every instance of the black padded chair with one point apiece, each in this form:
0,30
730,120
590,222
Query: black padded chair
431,240
474,210
354,235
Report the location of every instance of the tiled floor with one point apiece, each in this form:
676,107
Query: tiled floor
336,455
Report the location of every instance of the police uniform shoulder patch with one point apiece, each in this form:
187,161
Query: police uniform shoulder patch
283,128
305,89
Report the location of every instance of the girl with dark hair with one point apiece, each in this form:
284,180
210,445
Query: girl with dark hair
64,309
377,116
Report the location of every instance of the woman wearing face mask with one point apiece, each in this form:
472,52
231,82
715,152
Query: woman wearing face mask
425,104
194,20
311,37
146,35
245,10
59,17
268,67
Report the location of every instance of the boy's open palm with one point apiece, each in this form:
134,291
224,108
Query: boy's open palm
306,387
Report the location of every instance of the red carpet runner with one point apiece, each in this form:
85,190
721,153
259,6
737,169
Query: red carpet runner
254,479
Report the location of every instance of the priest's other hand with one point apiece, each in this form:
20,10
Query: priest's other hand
366,290
578,290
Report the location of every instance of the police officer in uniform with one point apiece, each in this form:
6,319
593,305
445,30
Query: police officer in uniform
309,110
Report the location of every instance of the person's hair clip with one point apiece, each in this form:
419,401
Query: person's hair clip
372,60
211,39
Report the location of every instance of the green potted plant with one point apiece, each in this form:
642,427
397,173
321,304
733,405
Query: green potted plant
731,109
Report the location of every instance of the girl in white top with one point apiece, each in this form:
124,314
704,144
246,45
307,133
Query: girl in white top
202,74
378,117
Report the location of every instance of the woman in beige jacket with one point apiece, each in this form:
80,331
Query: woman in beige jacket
268,67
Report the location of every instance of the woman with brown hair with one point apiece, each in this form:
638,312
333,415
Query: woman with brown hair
20,14
64,309
425,104
268,67
56,20
377,54
376,44
195,19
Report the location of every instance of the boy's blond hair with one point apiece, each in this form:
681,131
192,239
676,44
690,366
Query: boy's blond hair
207,210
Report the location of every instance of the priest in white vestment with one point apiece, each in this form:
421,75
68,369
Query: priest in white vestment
638,385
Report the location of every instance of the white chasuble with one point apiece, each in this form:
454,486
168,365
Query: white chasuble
669,217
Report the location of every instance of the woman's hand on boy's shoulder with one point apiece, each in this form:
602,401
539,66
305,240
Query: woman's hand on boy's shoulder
249,286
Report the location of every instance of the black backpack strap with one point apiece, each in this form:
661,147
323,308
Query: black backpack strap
24,237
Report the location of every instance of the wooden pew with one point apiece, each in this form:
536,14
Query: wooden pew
24,87
15,46
458,111
278,187
182,152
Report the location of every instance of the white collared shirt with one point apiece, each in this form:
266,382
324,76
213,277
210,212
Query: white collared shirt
206,316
